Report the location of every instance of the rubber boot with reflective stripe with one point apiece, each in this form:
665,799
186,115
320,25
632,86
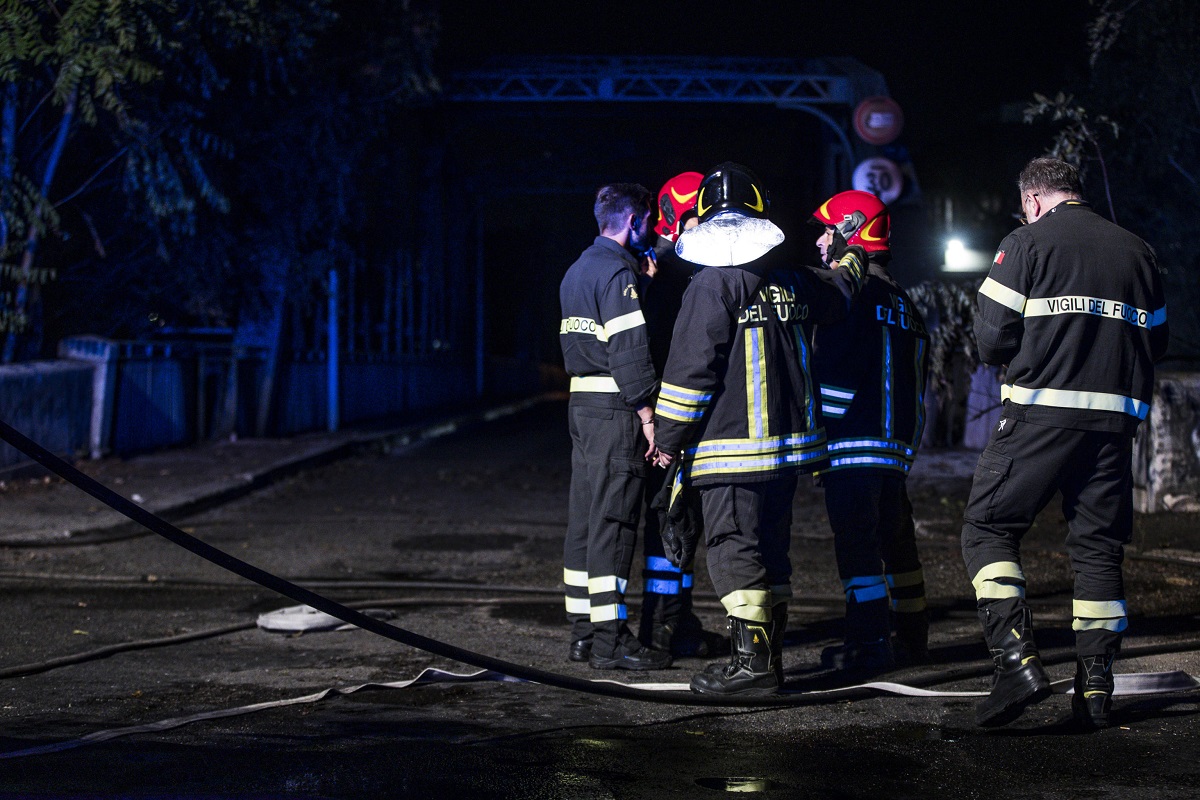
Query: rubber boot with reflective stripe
1094,685
749,670
1019,680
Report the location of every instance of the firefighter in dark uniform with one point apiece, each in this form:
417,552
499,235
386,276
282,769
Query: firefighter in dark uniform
1073,304
667,620
871,368
738,408
607,356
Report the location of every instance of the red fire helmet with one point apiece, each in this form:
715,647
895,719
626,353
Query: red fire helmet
860,216
675,199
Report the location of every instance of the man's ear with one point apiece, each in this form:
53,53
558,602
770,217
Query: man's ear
634,222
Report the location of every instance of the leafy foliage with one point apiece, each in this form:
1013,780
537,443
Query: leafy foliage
1144,78
949,311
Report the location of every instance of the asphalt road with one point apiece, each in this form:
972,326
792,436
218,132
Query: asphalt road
459,540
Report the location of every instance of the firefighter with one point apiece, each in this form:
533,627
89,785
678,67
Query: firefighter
737,409
1074,306
667,620
871,369
607,356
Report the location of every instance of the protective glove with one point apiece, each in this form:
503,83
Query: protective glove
679,527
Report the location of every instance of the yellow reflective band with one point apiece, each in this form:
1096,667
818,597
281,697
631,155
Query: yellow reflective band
606,583
594,383
902,579
1096,306
682,395
749,604
1066,398
582,325
910,606
987,587
1115,625
1090,615
578,605
990,590
998,569
575,577
671,410
756,385
994,290
623,323
608,613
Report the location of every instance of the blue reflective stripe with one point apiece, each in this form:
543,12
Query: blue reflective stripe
868,594
888,404
754,455
656,586
660,564
884,446
684,396
686,583
871,460
830,392
669,410
810,405
833,411
919,431
865,588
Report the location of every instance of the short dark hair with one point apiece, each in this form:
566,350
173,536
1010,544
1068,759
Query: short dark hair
616,201
1050,176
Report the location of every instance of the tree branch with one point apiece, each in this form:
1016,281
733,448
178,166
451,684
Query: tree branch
91,178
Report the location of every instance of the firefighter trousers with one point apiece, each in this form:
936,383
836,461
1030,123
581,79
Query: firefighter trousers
1017,475
748,530
876,547
607,474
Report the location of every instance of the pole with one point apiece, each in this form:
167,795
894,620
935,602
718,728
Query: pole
331,359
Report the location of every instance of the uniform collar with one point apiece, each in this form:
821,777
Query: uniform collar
1069,203
604,241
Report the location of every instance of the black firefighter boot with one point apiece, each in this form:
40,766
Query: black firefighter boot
867,650
911,644
1094,685
1019,680
749,670
779,616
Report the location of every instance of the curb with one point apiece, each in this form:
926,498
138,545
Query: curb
254,481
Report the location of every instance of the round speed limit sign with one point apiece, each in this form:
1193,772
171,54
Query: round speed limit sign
880,176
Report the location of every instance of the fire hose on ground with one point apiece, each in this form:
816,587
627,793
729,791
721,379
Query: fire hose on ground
676,694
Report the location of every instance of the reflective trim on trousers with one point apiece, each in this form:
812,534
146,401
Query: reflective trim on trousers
999,580
606,583
1109,615
749,604
608,613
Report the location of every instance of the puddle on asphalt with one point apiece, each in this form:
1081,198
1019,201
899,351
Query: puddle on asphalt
739,784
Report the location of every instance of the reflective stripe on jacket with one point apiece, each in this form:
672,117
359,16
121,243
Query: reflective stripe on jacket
1074,305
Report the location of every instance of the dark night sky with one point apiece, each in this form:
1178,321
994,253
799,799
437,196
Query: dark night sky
950,65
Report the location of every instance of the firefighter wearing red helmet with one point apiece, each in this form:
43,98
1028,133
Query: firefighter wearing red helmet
667,621
860,217
871,369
